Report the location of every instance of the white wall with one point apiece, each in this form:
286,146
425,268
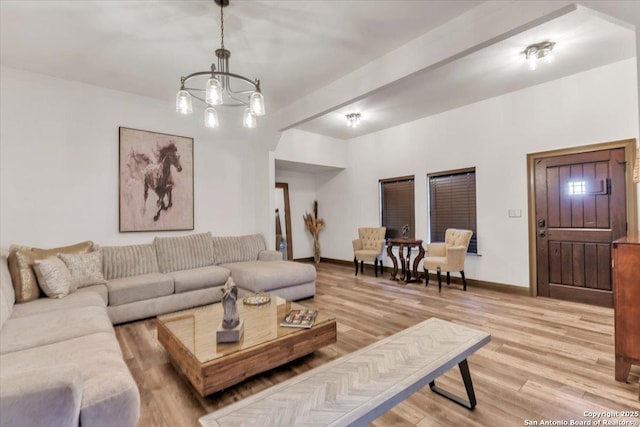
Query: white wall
59,163
495,136
306,147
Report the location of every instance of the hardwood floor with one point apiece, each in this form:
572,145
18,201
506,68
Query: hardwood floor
548,359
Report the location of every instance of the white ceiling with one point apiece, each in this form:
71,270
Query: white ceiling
144,47
584,40
295,47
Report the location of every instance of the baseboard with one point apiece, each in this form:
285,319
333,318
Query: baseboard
337,261
307,259
500,287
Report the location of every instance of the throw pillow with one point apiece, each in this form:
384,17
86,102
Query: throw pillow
86,269
21,259
54,277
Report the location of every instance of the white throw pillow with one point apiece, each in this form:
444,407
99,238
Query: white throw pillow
86,269
54,277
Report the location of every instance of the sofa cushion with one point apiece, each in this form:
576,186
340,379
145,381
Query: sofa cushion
44,396
86,269
21,260
237,248
184,252
137,288
54,277
109,394
101,290
75,300
21,333
5,279
199,278
264,276
270,255
5,309
125,261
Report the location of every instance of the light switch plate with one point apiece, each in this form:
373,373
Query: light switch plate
515,213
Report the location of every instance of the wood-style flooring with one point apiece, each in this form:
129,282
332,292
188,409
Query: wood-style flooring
547,360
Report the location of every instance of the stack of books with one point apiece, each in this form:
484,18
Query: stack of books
301,318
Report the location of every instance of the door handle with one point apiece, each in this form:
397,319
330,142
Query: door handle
541,233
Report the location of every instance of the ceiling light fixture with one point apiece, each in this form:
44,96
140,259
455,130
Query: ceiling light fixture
353,119
217,90
542,51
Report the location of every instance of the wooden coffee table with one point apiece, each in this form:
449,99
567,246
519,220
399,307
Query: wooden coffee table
190,339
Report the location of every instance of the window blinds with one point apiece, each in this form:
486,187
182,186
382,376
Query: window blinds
453,204
398,207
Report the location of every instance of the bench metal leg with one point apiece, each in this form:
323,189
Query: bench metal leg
466,377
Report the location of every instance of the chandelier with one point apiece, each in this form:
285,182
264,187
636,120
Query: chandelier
353,120
542,51
218,90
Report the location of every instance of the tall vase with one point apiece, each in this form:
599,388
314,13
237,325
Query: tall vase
316,251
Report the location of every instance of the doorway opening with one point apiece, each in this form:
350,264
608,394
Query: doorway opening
283,221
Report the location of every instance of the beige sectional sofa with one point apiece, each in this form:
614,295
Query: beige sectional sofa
175,273
60,362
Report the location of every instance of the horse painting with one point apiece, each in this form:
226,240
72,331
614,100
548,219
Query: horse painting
156,173
158,177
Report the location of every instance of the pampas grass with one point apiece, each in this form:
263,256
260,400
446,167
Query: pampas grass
314,225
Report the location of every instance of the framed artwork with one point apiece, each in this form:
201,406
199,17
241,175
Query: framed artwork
156,181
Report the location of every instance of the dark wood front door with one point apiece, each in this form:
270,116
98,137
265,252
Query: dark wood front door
580,210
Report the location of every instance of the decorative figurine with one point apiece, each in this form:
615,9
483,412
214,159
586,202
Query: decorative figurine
231,328
229,299
405,231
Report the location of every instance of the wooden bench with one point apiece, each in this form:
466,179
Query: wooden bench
359,387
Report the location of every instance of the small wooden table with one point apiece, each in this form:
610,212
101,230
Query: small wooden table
405,264
190,339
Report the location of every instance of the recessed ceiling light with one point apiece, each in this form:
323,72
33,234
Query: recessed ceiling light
542,51
353,119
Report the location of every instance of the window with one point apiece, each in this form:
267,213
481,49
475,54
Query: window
577,187
452,202
397,206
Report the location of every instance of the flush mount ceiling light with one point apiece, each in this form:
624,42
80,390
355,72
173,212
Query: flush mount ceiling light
217,89
542,51
353,119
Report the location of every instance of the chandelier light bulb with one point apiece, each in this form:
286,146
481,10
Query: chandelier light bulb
256,103
211,118
183,102
213,94
249,120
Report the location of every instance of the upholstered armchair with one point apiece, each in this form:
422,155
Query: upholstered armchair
368,247
448,256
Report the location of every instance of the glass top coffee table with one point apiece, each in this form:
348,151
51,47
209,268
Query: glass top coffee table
190,340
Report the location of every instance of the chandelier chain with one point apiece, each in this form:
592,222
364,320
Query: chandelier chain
222,24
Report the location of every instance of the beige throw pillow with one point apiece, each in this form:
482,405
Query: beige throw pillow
86,269
54,277
21,259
